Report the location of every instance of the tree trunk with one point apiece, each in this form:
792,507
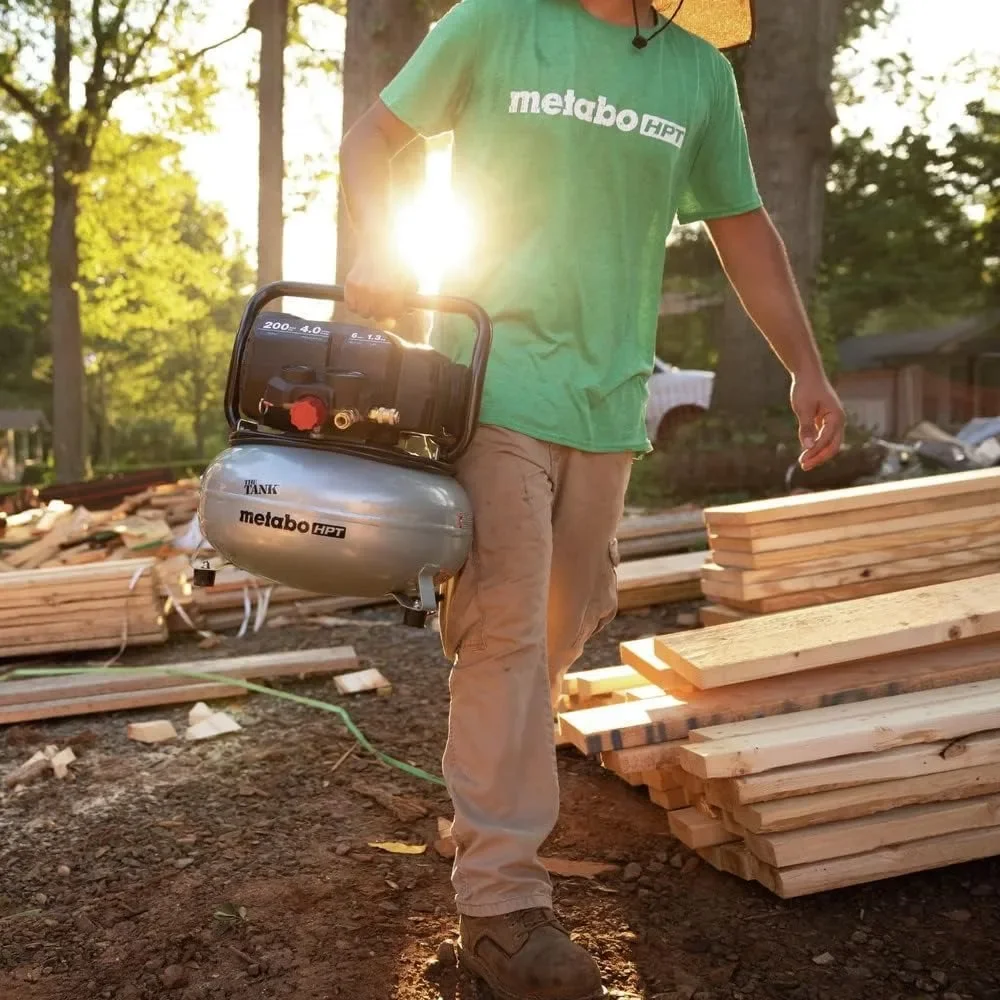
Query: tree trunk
271,19
68,410
381,37
786,78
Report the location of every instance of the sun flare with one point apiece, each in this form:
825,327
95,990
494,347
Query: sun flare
434,233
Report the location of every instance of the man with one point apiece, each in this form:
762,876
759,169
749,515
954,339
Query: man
577,140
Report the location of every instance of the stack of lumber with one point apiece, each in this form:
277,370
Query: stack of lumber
788,722
849,794
122,688
99,606
817,548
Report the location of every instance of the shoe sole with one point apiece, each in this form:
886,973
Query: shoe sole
470,964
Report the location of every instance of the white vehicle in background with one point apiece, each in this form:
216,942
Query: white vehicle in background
676,396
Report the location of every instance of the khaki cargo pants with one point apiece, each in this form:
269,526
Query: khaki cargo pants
540,580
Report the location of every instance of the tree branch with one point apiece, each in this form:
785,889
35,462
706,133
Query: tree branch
184,63
133,57
26,104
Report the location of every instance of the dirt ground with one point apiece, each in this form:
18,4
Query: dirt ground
242,866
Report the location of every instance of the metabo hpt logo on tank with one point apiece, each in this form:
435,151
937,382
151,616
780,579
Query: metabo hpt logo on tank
285,522
599,112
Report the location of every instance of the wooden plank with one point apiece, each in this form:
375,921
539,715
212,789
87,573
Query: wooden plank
111,607
642,693
855,591
869,833
816,739
662,779
752,728
870,497
669,522
695,829
738,586
82,644
867,800
819,535
639,654
670,798
661,545
297,663
804,640
657,594
846,552
47,577
732,858
860,769
661,571
887,862
64,707
905,549
618,727
605,680
641,758
847,520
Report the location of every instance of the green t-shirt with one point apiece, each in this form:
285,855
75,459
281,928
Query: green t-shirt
574,152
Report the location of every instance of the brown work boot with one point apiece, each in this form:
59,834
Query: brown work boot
527,955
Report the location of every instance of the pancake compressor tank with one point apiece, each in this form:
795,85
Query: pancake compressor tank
339,479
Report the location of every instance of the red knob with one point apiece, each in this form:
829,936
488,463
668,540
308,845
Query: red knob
307,413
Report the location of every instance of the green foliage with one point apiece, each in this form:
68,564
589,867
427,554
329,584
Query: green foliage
24,206
161,294
901,244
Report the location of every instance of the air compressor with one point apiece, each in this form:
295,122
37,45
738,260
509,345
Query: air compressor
339,477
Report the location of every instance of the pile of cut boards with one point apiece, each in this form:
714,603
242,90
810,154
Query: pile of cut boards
810,549
818,748
82,581
99,606
121,688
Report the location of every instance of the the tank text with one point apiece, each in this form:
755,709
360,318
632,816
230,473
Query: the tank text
254,489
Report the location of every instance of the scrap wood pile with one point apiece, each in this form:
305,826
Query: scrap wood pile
810,549
817,748
124,576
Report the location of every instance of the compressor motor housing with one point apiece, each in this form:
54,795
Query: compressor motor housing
339,382
340,475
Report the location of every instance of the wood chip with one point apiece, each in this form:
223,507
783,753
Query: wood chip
157,731
360,681
217,724
60,762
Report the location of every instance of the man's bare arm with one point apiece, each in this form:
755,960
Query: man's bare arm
376,284
753,256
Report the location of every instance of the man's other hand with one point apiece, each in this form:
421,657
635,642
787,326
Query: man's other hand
821,419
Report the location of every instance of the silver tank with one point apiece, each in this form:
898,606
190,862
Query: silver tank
332,523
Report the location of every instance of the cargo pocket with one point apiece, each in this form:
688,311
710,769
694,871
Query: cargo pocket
461,614
610,609
603,606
